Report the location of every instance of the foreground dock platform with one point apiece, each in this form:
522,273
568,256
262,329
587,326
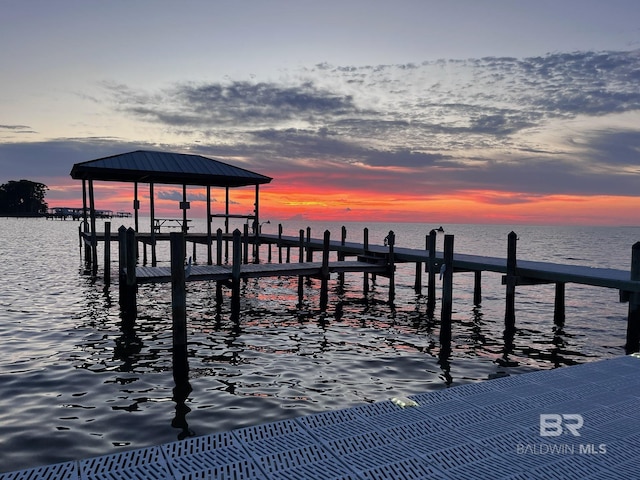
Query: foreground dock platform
590,429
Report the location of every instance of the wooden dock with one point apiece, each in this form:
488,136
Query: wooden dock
374,260
578,422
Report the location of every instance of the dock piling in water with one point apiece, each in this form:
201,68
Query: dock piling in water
431,270
447,293
107,253
178,301
127,284
511,280
633,320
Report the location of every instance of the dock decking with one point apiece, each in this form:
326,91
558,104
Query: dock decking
146,274
490,429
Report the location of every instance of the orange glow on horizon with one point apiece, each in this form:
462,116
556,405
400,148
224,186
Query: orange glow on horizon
279,201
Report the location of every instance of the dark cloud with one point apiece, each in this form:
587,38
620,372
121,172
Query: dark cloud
236,103
38,161
422,128
617,149
17,129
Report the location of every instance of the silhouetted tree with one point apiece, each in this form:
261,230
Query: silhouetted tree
23,198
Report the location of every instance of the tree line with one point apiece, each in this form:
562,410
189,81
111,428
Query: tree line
23,198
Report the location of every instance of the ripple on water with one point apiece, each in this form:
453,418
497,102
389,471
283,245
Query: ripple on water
76,384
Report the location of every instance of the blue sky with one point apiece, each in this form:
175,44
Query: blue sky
507,102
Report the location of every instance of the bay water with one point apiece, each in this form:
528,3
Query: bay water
75,384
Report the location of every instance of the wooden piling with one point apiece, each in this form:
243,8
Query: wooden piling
324,272
341,256
127,272
447,292
417,286
633,319
301,259
107,253
245,244
309,249
122,264
559,305
391,266
178,301
365,281
94,239
219,262
431,269
235,274
477,287
219,247
511,280
279,243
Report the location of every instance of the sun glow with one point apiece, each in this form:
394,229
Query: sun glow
304,200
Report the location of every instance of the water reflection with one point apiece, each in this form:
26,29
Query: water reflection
284,350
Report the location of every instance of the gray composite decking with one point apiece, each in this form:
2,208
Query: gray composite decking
481,430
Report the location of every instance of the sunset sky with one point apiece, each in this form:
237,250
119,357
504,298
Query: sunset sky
465,111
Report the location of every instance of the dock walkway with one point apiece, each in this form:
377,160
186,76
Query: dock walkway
542,271
491,429
146,274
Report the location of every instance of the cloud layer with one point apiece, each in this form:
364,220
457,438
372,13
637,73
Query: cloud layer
560,124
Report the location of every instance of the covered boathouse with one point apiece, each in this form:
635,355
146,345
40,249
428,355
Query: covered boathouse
165,168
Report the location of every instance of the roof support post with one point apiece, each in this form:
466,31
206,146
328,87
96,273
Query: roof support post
84,205
136,204
209,255
226,224
85,224
94,240
256,244
153,224
184,206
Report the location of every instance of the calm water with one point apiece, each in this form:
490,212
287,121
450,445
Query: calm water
74,385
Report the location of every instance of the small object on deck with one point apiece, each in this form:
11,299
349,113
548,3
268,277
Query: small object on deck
404,402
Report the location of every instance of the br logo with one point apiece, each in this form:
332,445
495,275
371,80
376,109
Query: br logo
554,424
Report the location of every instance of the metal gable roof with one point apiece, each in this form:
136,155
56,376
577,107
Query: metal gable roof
166,168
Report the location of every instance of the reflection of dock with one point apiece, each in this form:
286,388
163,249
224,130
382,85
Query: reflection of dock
505,428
